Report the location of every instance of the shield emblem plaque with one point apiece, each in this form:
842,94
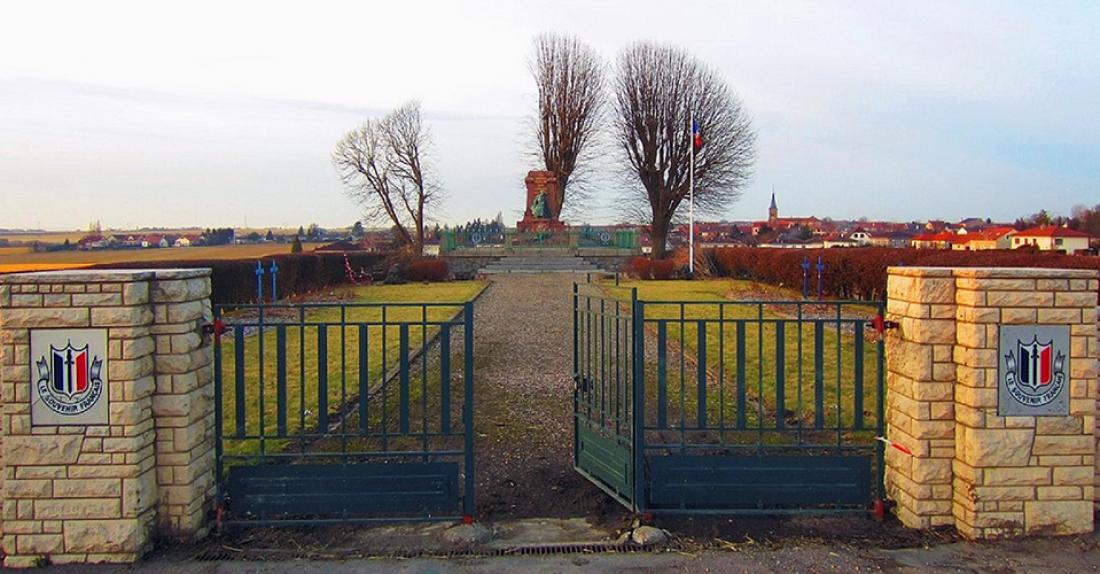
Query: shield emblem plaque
1033,378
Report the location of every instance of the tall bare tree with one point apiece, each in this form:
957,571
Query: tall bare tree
383,166
570,79
656,89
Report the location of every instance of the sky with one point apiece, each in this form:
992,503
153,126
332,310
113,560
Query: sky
225,113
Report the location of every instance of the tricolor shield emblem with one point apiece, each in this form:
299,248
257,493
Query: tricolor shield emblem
69,377
1036,363
1033,369
70,373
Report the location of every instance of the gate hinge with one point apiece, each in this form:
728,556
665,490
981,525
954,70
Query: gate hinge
880,325
215,328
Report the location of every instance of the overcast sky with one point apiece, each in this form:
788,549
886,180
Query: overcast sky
224,113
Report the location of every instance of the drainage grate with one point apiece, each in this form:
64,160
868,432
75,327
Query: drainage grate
223,553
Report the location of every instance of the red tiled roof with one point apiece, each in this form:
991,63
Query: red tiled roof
1051,231
988,234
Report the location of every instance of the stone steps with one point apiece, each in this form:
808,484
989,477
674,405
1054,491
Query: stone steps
545,264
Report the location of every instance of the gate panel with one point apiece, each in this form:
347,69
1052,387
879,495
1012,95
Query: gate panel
760,406
603,373
344,412
688,483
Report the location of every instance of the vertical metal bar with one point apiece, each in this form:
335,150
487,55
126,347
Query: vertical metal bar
403,357
880,411
819,374
261,364
618,370
385,382
638,395
364,379
576,365
468,412
219,424
857,378
280,379
445,378
322,378
424,380
701,372
780,374
662,374
238,379
741,382
722,372
799,407
603,370
760,375
839,371
301,375
683,380
586,396
343,379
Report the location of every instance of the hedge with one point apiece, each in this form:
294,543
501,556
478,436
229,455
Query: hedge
860,273
234,280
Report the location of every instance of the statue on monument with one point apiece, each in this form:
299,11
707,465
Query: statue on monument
538,206
543,198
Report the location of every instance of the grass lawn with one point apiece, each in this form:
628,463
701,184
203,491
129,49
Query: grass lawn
823,399
344,330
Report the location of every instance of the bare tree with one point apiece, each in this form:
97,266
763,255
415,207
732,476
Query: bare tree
570,79
381,162
656,90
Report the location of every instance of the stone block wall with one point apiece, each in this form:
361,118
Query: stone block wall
96,493
987,475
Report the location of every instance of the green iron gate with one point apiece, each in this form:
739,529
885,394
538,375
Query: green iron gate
344,412
763,406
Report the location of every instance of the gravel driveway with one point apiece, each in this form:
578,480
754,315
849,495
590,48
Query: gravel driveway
523,329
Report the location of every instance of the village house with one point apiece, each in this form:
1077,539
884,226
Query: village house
1052,238
988,238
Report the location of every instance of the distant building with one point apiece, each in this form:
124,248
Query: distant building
1051,238
988,238
935,240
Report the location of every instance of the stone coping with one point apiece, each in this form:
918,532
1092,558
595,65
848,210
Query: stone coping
994,272
102,275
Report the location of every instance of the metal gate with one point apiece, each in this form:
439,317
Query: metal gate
344,412
729,406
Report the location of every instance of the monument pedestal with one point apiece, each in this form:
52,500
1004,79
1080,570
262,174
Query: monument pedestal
543,198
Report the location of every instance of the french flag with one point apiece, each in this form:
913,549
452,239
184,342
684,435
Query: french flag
696,136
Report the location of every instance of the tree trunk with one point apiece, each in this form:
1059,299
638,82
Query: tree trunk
658,235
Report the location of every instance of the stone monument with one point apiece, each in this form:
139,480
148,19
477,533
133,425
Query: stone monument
543,197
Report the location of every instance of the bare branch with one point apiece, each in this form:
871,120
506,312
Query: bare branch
570,80
656,90
382,164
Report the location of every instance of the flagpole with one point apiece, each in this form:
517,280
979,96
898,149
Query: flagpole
691,197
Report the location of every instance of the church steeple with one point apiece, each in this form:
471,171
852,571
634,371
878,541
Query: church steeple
773,211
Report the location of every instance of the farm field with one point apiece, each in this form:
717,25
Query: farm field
17,259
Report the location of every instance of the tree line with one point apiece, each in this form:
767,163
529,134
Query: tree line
658,108
1082,218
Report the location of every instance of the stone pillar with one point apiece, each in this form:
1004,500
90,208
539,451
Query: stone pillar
919,400
89,493
1008,475
1018,475
183,406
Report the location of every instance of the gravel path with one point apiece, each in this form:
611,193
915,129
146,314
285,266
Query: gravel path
523,329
